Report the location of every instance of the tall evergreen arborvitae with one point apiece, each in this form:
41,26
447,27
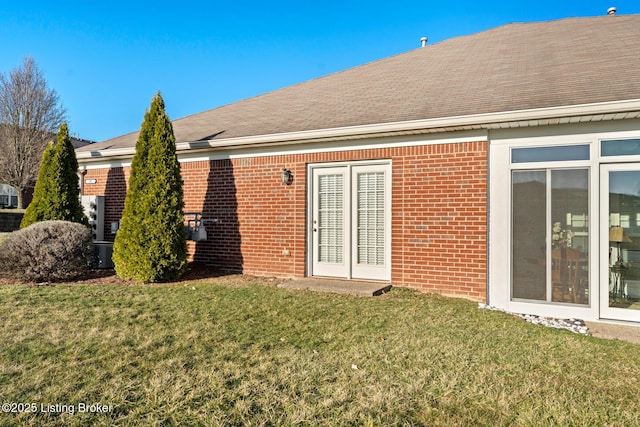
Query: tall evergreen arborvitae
150,245
56,195
66,180
40,204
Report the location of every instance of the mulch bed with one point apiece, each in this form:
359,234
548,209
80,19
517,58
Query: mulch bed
197,272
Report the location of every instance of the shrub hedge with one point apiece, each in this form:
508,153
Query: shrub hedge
47,251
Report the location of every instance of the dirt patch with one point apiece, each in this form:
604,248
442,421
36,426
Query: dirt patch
197,272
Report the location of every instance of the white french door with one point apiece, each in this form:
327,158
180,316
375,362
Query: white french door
620,241
329,222
351,221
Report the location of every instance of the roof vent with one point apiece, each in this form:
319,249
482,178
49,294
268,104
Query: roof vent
611,11
424,41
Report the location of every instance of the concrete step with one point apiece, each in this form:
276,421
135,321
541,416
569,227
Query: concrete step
336,286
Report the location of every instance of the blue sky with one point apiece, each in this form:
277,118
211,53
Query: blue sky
107,59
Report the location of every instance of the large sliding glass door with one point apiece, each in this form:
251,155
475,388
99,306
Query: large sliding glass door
550,235
620,242
565,225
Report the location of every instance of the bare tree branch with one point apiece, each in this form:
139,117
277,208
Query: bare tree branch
30,114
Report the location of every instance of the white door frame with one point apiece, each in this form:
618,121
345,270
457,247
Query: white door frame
333,269
350,269
607,312
500,226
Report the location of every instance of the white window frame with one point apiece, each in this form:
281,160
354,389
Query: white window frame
500,229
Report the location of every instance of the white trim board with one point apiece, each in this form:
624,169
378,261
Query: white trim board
318,147
602,111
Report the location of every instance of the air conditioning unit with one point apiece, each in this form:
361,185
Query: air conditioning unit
94,210
102,252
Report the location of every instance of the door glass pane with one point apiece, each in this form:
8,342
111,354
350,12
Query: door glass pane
551,212
529,217
370,218
330,218
570,236
624,240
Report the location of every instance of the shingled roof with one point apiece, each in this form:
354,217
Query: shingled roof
513,67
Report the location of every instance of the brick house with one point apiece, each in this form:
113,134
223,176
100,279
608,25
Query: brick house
491,167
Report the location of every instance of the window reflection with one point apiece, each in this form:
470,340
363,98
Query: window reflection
624,247
620,147
529,196
550,154
550,240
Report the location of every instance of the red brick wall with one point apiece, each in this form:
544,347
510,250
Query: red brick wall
440,218
439,213
111,183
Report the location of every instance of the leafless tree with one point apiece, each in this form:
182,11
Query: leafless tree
30,114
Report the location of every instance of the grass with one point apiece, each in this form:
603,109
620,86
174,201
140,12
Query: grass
252,354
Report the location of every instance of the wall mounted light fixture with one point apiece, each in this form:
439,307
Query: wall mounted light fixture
286,176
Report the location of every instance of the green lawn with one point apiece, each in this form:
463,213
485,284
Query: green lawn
252,354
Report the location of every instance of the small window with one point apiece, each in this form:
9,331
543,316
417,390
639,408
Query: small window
620,147
550,154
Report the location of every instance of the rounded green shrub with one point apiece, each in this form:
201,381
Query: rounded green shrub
47,251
